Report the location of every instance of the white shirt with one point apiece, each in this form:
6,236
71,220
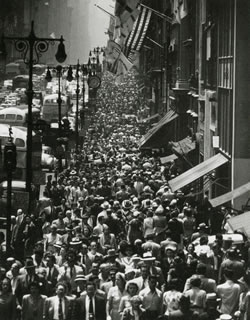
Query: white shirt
136,315
87,300
13,284
56,316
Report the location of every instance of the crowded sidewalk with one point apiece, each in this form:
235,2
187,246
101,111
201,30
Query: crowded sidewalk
110,240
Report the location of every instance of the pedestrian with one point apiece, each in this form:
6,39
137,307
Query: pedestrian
33,303
8,305
59,306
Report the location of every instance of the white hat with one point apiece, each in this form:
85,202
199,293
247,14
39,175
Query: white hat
159,210
173,202
136,214
225,317
147,256
105,205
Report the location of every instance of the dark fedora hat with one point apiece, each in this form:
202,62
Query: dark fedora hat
29,263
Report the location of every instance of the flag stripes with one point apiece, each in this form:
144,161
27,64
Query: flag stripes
129,30
138,33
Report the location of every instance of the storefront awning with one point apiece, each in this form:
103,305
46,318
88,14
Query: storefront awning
198,171
230,195
168,158
241,223
145,140
183,146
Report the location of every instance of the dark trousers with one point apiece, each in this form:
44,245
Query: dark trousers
151,315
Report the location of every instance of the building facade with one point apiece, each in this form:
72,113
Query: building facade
202,73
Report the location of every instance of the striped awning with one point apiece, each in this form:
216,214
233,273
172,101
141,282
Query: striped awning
138,33
230,195
169,116
168,158
198,171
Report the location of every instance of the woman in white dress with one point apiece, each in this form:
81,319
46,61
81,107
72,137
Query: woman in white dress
114,297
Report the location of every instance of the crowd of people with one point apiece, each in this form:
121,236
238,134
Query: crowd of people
109,240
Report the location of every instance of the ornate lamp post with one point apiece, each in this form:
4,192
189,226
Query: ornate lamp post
85,74
9,165
59,70
48,78
32,47
97,51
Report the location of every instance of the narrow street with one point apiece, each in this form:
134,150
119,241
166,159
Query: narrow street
124,163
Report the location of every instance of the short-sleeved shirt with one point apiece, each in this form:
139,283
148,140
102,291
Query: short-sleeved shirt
171,300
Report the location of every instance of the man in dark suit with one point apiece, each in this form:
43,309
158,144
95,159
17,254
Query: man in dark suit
58,307
52,274
90,305
23,281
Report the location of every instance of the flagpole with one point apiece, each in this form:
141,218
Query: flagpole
159,14
153,41
110,14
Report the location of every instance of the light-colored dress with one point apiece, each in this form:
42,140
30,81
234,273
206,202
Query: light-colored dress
114,299
171,300
124,303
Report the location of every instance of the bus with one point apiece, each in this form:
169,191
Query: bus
39,69
12,70
20,81
50,107
15,116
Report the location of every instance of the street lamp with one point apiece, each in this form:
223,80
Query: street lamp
10,156
82,111
85,71
59,70
97,51
77,105
32,47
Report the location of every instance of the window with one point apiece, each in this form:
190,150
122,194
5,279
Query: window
10,117
226,45
225,73
19,117
20,143
2,116
210,29
225,119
